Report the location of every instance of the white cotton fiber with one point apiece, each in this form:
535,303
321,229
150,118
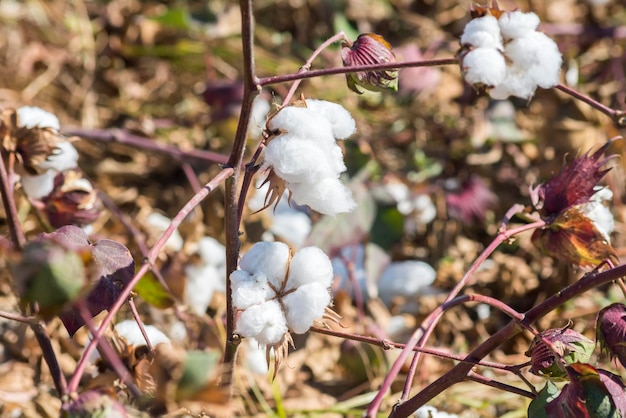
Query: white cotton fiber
302,123
202,281
133,336
310,265
517,24
328,196
63,157
306,304
484,66
40,186
270,258
343,126
249,289
212,252
36,117
482,32
405,278
264,322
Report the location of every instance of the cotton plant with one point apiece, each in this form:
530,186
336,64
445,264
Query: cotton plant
504,53
206,277
303,157
275,293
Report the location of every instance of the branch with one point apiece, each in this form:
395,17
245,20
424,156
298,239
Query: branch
6,192
618,116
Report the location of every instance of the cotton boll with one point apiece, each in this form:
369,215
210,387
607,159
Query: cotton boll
516,83
249,289
601,217
482,32
269,258
292,226
484,66
160,223
202,282
310,265
36,117
63,157
265,322
129,329
302,123
328,196
306,304
517,24
255,357
404,278
341,121
428,411
211,251
38,187
302,160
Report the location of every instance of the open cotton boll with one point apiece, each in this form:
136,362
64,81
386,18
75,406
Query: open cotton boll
129,329
404,278
601,217
301,160
38,187
63,157
256,357
328,196
484,66
517,24
341,121
270,258
540,57
310,265
35,117
516,83
306,304
265,322
202,282
482,32
249,289
211,251
291,225
160,223
302,123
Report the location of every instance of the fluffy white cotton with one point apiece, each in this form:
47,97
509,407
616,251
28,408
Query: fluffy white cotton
482,32
306,304
40,186
328,196
298,160
202,282
211,251
269,258
306,156
160,223
405,278
249,289
310,265
529,59
133,336
265,322
36,117
303,123
484,66
428,411
63,157
517,24
600,214
255,357
341,122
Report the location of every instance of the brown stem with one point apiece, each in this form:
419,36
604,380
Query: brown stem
618,116
43,339
6,192
475,377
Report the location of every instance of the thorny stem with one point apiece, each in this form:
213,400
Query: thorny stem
422,334
341,36
459,372
231,202
618,116
265,81
15,228
148,263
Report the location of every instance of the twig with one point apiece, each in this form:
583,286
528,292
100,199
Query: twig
618,116
15,227
154,252
475,377
17,317
142,329
45,344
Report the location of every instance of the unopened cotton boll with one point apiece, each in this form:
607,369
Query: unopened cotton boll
310,265
269,258
35,117
265,322
306,304
249,289
405,278
328,196
517,24
341,122
484,66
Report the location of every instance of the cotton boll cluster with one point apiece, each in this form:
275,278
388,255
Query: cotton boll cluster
206,277
508,55
275,293
304,153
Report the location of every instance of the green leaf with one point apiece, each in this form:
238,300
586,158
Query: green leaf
175,18
152,291
388,227
537,407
